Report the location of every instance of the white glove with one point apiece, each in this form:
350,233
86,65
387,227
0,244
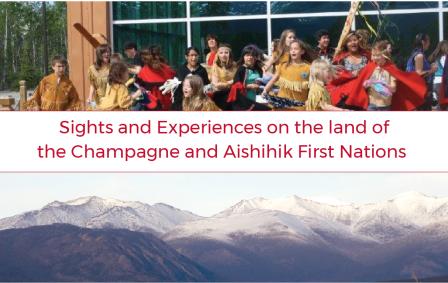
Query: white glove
170,86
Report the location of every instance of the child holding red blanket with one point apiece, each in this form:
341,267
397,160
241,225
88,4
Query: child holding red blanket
154,74
382,86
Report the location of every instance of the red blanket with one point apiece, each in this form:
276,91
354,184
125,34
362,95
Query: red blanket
411,88
156,78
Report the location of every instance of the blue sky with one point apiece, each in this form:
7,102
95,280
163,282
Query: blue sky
207,194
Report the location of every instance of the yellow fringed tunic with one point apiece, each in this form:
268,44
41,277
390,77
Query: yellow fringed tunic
224,75
55,94
117,98
293,81
317,96
98,79
283,59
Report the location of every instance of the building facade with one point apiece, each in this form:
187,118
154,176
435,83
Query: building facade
176,25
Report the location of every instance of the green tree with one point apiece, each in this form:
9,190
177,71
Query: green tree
21,42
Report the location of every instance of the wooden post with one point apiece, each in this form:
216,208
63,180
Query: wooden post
348,24
23,96
95,17
6,103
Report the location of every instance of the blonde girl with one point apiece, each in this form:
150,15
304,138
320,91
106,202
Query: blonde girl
321,72
194,97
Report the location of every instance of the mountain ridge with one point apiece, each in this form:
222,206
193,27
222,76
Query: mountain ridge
96,212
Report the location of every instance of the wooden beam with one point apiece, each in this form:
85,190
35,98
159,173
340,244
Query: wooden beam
95,18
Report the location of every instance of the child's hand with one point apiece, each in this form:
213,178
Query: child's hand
434,68
252,86
367,84
136,94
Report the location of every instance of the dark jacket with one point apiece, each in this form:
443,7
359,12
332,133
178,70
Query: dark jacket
325,54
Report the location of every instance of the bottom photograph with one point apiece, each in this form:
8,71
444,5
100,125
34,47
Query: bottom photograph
224,227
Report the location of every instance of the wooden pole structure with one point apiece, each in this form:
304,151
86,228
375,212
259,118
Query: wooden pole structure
45,39
23,96
348,24
94,16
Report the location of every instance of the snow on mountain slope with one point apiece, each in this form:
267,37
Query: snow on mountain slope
95,212
256,222
294,217
380,222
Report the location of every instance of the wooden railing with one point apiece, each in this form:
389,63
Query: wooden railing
7,103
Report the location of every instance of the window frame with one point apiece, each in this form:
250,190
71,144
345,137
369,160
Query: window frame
268,16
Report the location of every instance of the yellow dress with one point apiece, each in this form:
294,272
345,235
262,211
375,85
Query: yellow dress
209,105
283,59
54,94
317,96
197,104
117,98
224,75
98,79
293,81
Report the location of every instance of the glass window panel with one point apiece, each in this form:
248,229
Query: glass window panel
171,37
292,7
402,29
248,32
306,28
278,7
445,30
228,8
148,10
445,4
390,5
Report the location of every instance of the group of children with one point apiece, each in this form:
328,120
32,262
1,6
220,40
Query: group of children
296,77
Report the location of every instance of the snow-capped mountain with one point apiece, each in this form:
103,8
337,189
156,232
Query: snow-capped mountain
381,222
285,239
96,212
295,239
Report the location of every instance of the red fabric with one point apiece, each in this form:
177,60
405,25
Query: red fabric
165,100
152,105
238,86
410,93
342,55
443,99
211,58
340,87
158,77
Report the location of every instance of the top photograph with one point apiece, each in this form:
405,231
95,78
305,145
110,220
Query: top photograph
224,56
